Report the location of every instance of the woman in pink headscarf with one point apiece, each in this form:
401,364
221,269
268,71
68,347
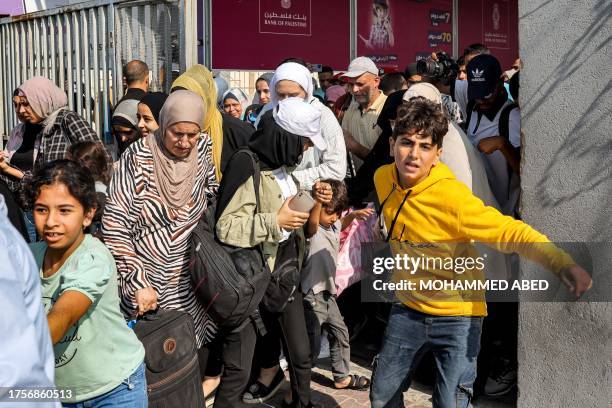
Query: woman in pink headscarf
48,128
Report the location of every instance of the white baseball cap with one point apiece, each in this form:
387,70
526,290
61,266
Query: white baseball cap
360,66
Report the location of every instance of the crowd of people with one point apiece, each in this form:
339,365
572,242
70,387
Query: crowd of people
110,227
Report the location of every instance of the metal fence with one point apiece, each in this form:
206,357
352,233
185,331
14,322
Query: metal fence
83,47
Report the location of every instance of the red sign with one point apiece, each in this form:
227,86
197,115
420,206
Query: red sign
493,23
259,34
286,17
495,19
395,33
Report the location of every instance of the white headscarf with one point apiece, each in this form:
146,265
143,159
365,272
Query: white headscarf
238,95
424,89
289,71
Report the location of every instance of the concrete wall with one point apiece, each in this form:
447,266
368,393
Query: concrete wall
565,349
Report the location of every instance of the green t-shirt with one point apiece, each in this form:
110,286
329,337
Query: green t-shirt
99,351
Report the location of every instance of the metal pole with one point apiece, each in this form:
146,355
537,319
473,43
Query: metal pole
96,68
86,66
53,28
4,105
353,35
107,60
207,31
61,53
455,29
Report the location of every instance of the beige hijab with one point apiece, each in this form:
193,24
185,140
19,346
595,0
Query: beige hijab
45,98
175,177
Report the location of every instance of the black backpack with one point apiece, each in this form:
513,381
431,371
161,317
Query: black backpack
171,357
504,118
229,281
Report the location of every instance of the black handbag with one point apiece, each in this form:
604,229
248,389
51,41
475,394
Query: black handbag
285,278
171,359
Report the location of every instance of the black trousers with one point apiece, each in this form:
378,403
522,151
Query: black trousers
290,328
236,350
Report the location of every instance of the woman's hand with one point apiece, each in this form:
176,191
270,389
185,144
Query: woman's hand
3,162
322,192
7,169
146,300
288,219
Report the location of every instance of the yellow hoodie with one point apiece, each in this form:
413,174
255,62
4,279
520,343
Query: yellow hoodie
439,218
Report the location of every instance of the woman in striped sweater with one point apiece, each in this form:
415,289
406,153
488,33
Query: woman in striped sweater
157,195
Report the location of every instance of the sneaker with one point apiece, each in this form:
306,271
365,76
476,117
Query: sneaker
502,378
258,393
282,362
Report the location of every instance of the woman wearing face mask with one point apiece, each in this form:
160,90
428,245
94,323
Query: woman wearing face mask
49,128
148,112
293,79
157,195
281,140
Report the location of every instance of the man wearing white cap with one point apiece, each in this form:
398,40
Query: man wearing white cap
359,123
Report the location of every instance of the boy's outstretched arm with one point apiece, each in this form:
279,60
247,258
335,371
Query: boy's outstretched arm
484,224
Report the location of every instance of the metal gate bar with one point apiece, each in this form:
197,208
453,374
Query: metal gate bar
83,47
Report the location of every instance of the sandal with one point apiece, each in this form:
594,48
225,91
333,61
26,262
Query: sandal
209,399
357,382
258,393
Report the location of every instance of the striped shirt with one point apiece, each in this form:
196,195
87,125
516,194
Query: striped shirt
149,240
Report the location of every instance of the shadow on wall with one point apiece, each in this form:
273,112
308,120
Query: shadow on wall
588,157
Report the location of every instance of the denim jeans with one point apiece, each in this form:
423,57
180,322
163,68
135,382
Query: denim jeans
131,393
28,218
454,342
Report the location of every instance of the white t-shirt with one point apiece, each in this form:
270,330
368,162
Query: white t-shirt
288,189
504,183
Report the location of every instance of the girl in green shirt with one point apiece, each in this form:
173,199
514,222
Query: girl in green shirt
98,359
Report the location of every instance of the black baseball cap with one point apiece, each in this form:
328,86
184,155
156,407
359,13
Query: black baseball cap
484,73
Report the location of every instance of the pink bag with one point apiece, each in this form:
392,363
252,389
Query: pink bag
348,267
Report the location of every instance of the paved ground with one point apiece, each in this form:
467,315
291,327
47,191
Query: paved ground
326,396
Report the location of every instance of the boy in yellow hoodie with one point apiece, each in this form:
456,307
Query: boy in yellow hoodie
427,212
